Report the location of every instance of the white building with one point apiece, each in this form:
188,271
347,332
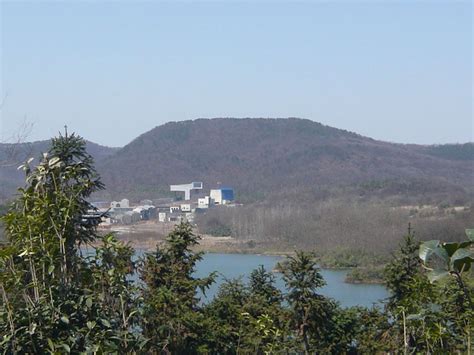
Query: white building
187,188
186,207
120,204
222,195
205,202
174,209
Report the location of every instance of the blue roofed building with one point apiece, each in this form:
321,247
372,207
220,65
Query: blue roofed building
222,195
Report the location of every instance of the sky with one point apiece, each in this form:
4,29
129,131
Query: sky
399,71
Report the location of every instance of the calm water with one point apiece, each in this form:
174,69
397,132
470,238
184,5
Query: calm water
231,266
235,265
241,265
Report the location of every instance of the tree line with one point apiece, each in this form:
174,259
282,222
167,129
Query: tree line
331,225
56,298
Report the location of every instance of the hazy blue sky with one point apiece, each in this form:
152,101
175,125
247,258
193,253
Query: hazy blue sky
397,71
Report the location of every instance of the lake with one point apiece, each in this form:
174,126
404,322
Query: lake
231,266
235,265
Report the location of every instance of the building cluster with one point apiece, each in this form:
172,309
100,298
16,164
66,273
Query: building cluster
121,212
219,196
166,209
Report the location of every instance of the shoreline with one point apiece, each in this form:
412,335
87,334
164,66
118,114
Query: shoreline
146,236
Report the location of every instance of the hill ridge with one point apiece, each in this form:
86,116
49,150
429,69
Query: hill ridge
257,155
270,157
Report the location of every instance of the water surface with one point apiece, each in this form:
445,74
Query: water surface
230,266
236,265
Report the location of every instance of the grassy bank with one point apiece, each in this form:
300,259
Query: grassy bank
366,275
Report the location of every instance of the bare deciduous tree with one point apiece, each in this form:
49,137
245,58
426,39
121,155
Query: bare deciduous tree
12,151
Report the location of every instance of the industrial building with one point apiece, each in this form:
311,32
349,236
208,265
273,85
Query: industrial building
120,204
167,209
222,196
205,202
187,188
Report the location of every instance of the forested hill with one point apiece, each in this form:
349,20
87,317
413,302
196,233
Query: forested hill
12,155
269,158
264,158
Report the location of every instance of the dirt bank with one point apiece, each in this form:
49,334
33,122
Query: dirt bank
146,235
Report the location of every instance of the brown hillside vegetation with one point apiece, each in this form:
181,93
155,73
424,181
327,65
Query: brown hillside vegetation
302,184
271,159
342,225
278,158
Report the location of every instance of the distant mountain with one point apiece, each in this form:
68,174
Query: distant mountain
269,159
452,151
13,155
265,158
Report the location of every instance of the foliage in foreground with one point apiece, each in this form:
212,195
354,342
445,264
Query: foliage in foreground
59,297
54,298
